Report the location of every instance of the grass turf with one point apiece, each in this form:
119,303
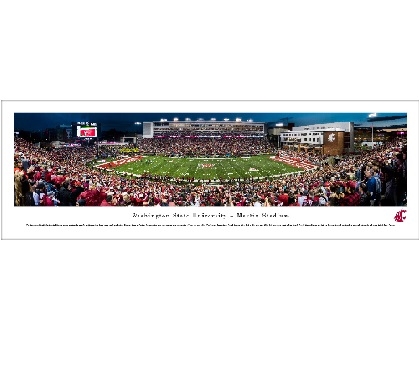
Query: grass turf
208,168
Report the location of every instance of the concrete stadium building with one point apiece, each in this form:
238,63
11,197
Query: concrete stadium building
329,139
203,128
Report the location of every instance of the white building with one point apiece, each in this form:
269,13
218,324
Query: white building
314,135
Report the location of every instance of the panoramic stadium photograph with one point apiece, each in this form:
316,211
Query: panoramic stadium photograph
210,159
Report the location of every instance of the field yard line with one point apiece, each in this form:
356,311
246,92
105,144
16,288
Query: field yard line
205,158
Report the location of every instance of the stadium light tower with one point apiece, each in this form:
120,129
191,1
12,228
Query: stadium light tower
137,124
279,125
373,115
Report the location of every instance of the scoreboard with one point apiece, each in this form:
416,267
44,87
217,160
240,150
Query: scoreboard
86,129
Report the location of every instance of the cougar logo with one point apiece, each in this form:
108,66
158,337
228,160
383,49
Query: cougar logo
399,216
331,137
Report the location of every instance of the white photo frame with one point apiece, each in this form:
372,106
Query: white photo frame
230,223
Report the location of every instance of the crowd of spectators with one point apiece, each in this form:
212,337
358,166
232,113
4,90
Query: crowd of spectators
66,177
192,147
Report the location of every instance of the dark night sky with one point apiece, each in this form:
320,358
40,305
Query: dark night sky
125,121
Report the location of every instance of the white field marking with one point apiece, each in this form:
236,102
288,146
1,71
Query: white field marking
210,158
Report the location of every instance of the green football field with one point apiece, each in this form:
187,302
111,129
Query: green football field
208,168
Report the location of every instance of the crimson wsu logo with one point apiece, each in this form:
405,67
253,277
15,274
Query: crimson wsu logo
399,216
87,132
